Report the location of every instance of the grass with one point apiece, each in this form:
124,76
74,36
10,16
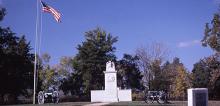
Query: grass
142,103
133,103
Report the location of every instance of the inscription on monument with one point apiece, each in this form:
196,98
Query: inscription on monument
200,98
197,97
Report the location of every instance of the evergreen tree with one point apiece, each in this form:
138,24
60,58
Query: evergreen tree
92,57
160,79
206,74
16,63
201,75
129,75
156,78
168,76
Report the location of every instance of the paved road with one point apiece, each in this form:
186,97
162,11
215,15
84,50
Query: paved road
97,104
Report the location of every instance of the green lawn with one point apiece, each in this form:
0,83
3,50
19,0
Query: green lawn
133,103
142,103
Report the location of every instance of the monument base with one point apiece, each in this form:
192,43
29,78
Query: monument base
104,96
124,95
111,93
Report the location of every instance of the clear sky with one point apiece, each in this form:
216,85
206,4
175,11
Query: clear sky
178,24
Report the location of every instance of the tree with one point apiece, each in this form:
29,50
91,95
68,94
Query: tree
156,78
65,67
206,74
16,64
90,61
170,77
161,76
156,52
214,79
2,13
212,35
212,71
201,74
53,76
129,75
44,72
73,83
181,83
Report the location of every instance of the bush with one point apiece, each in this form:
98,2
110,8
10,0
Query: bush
138,96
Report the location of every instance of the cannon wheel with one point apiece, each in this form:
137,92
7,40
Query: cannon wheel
148,99
55,97
160,101
40,97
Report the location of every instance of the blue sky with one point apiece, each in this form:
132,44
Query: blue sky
178,24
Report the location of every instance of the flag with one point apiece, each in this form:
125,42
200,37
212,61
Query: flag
49,9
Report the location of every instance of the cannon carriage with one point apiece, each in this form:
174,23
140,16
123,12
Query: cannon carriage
158,96
49,95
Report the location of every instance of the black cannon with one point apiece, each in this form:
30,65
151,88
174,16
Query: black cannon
46,95
158,96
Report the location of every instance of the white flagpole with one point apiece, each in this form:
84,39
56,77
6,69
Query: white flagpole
35,53
39,47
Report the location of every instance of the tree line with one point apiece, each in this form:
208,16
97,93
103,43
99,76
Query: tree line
147,69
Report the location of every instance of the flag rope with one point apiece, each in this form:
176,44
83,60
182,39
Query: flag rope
40,35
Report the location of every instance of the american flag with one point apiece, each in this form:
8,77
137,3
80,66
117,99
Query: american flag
51,10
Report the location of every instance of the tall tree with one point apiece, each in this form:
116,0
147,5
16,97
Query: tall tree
129,75
53,76
65,67
44,72
176,79
148,55
73,82
212,34
92,57
200,74
16,63
212,39
156,78
206,74
181,83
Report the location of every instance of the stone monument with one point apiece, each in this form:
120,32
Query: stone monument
197,97
111,92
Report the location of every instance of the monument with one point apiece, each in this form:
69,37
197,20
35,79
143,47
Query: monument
111,93
197,97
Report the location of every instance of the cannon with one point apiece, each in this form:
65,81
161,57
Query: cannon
48,95
158,96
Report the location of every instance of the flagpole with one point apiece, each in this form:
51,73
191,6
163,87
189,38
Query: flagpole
35,53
